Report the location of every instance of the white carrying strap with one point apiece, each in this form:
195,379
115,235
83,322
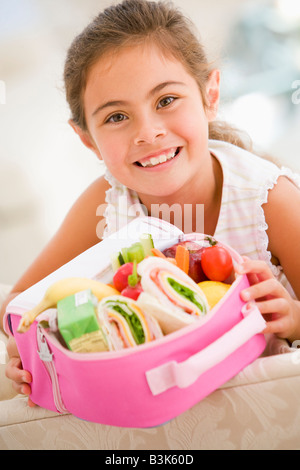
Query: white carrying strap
185,373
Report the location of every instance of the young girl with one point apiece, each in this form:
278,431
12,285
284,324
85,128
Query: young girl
144,99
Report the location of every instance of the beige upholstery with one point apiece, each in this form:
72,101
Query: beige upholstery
257,409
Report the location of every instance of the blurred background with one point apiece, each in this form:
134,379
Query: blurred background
43,165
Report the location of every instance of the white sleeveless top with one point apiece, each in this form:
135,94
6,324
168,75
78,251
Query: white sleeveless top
247,179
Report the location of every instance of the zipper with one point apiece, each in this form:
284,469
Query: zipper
46,357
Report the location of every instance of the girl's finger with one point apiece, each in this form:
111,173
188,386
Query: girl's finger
15,372
263,289
20,378
253,279
30,403
280,327
22,388
279,305
255,267
13,369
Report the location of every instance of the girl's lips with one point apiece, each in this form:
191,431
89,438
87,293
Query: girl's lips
159,159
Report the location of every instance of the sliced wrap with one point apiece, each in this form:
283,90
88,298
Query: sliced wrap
125,324
170,295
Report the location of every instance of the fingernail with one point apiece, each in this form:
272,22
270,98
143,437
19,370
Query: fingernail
245,295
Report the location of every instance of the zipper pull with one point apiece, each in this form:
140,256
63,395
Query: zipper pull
43,348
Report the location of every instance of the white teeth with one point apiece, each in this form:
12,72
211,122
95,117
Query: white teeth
159,159
154,160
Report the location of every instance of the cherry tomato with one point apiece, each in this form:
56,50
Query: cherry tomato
216,263
120,278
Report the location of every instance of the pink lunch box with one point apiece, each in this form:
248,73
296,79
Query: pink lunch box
150,384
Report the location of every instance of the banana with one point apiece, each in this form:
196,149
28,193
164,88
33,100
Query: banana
61,289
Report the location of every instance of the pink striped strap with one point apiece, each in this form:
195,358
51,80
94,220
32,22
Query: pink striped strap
185,373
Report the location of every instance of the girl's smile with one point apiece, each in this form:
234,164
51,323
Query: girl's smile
158,159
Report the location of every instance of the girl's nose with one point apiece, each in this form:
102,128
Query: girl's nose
148,132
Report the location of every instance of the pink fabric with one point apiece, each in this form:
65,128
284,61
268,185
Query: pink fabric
41,386
111,388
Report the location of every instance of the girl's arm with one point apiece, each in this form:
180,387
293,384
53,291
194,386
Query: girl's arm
283,219
79,231
76,234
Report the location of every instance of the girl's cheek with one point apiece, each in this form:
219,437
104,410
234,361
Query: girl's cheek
110,149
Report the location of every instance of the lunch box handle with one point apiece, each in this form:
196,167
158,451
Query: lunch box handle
185,373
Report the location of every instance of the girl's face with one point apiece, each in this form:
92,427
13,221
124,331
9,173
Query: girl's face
146,120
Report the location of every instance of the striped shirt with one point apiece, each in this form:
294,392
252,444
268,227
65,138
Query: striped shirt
247,179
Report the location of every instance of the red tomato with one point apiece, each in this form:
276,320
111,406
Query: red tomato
120,278
216,263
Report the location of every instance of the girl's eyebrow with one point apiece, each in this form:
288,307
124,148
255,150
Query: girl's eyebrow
162,85
108,104
152,92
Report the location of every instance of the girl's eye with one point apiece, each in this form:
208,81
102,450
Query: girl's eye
166,101
118,117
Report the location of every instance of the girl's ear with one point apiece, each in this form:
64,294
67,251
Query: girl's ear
85,138
213,95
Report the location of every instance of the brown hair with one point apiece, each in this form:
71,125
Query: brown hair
131,22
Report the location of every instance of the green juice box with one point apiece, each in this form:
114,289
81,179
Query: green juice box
78,324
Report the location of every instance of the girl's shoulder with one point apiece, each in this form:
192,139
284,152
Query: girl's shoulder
95,192
282,217
242,168
247,171
259,213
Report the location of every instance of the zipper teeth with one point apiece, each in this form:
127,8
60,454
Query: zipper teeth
50,367
56,390
55,387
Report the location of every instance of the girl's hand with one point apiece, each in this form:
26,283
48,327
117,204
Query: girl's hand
279,309
14,371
